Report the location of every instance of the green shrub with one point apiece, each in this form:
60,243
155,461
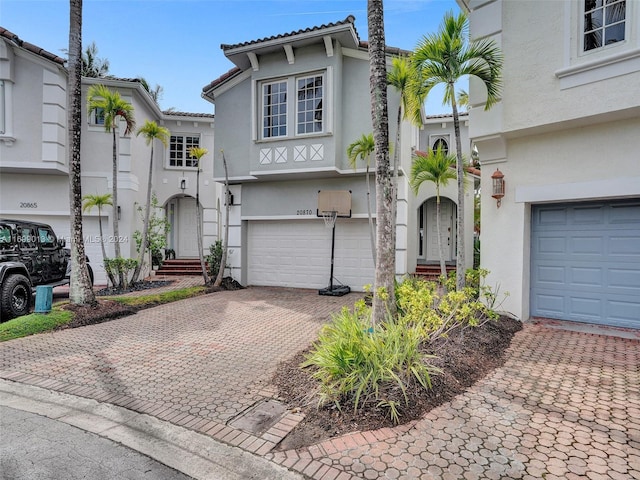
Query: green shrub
214,258
120,266
361,365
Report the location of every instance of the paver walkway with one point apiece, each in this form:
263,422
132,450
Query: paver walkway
565,405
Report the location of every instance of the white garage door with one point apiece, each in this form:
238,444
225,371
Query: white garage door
585,262
298,253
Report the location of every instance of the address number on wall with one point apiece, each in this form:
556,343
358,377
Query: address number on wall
304,212
28,204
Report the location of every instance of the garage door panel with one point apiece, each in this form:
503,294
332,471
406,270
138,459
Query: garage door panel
299,253
587,269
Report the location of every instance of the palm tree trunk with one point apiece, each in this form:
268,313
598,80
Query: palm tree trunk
225,245
205,274
443,266
80,288
372,232
114,194
104,250
460,237
384,294
145,227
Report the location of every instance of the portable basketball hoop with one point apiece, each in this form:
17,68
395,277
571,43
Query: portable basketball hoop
331,205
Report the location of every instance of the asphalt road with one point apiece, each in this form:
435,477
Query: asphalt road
36,447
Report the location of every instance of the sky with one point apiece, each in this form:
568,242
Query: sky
176,43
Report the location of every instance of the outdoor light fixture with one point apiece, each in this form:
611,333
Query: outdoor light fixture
183,184
119,213
498,186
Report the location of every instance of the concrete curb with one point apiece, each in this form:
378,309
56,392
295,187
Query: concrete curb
191,453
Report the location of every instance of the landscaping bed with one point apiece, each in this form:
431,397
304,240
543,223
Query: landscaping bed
464,357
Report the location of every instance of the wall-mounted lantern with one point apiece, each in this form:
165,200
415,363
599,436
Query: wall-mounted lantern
498,186
119,213
183,184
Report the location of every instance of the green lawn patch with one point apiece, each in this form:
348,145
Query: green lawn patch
33,323
152,299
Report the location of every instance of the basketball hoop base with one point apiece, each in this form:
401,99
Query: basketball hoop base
335,290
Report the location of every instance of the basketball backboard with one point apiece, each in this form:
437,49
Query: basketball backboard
338,201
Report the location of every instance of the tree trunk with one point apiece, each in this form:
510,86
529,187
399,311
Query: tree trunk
80,288
225,245
114,194
104,250
384,296
443,266
460,254
145,227
203,265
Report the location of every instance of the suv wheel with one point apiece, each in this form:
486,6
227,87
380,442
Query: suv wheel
15,297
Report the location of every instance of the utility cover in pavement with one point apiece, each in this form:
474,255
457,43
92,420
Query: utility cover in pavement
260,418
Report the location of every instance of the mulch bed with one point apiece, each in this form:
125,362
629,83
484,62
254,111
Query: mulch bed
106,310
464,357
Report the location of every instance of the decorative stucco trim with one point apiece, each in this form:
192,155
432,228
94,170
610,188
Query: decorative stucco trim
599,69
598,189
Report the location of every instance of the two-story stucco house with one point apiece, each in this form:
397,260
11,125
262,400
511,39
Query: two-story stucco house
34,174
565,240
286,114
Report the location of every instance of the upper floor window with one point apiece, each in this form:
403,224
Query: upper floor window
604,22
442,144
97,116
179,147
274,109
305,111
310,95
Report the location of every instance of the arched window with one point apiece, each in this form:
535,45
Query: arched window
440,143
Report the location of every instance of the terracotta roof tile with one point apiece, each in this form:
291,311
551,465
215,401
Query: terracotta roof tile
31,47
187,114
349,20
225,76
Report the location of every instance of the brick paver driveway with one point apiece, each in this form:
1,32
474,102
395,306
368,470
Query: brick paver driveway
565,405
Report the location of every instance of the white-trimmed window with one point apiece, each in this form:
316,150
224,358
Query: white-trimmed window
604,23
179,147
309,108
274,109
283,115
97,116
442,141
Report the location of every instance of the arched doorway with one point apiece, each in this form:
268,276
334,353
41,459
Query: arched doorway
428,232
183,234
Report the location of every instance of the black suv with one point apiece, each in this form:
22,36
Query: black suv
30,255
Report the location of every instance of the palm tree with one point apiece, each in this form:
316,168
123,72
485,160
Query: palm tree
384,290
198,153
150,131
92,65
446,57
362,149
114,109
155,93
80,288
99,201
439,168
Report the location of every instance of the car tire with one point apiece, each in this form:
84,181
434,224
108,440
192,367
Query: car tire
15,297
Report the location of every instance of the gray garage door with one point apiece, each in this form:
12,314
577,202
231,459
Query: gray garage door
585,262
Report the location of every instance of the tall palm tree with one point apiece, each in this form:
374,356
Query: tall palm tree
99,201
384,289
150,131
92,65
362,149
80,288
115,109
198,153
437,167
445,57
